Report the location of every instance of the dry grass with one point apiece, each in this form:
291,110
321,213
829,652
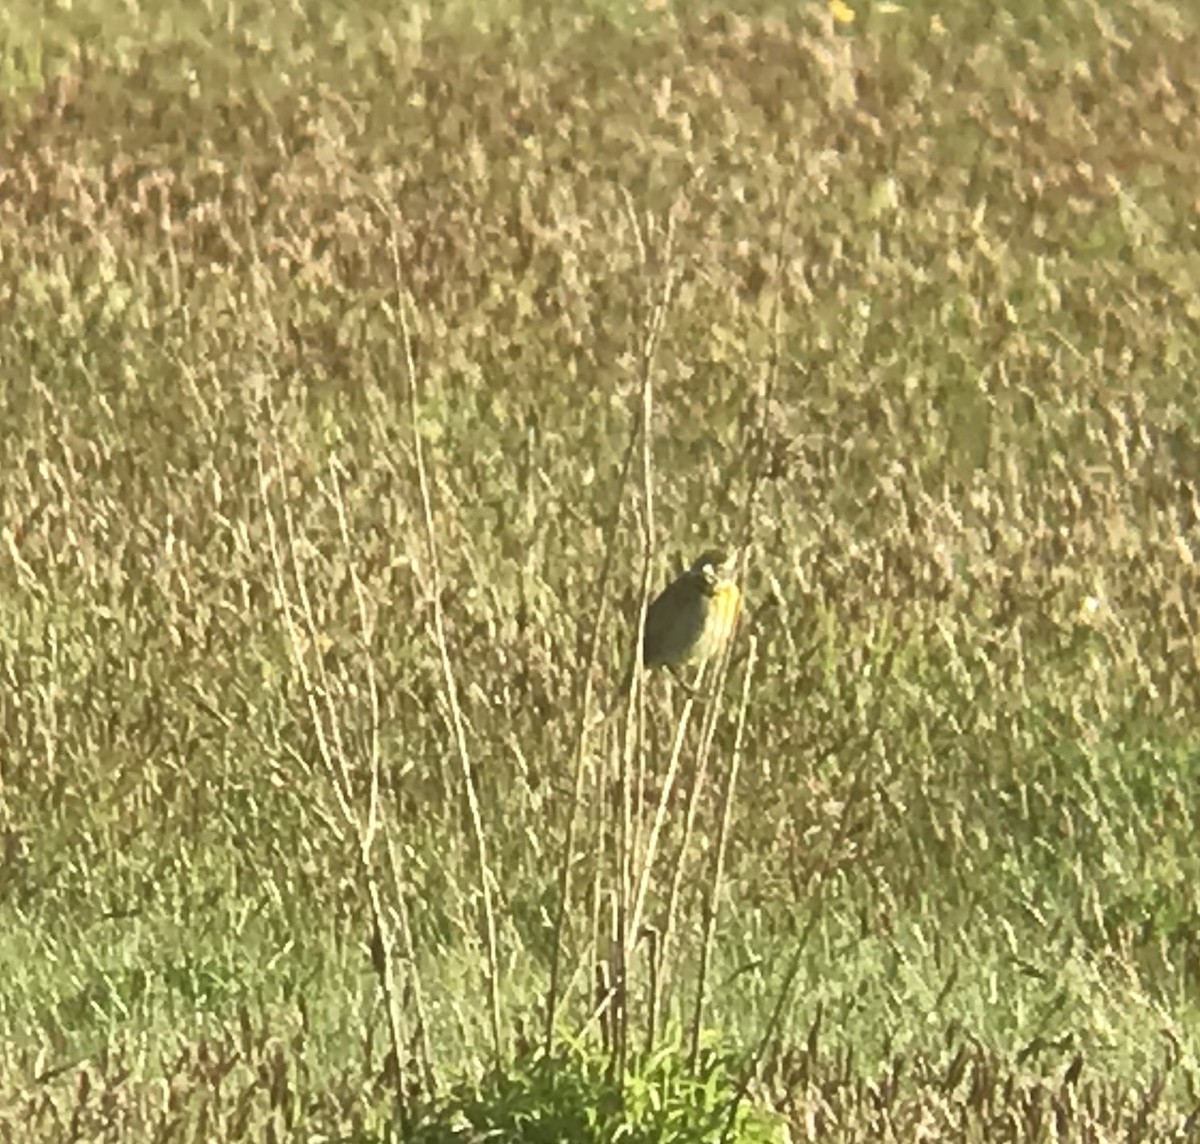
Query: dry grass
931,287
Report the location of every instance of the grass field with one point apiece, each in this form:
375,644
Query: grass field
361,365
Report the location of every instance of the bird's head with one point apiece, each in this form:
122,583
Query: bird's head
714,567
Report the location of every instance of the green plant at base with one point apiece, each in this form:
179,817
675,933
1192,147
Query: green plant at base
571,1097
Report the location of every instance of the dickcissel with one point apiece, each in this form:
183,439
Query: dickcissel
691,619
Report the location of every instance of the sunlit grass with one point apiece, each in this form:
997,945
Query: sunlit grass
931,278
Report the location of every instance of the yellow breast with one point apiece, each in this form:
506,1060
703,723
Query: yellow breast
722,615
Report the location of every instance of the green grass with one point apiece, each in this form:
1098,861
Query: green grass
932,283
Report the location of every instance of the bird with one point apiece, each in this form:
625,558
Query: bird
691,619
